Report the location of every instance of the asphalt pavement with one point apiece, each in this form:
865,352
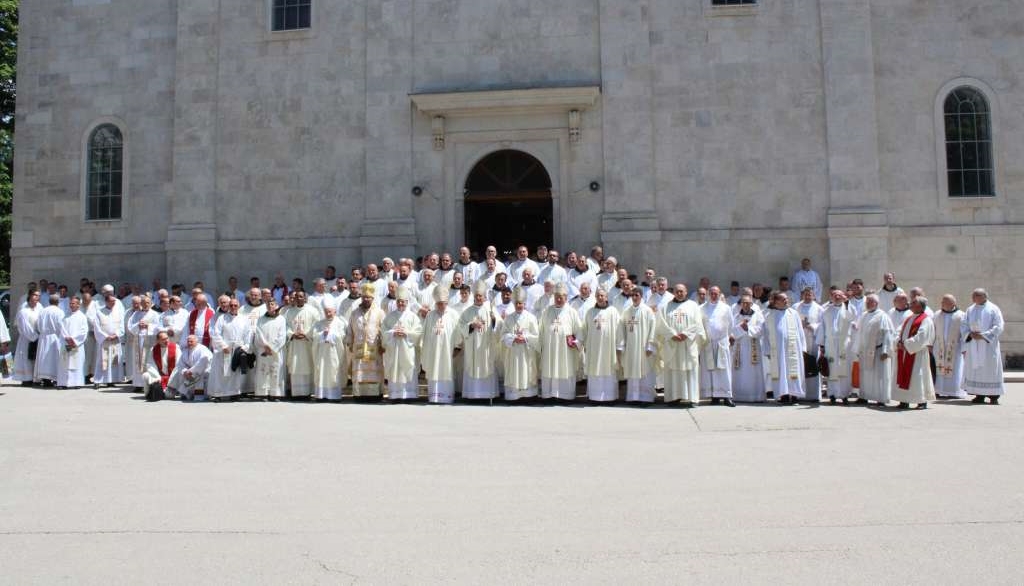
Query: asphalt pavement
100,487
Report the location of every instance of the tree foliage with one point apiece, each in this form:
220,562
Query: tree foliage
8,84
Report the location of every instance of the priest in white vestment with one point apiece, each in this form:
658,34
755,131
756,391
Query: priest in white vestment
876,346
681,332
534,291
807,277
560,350
834,340
400,336
253,309
584,299
174,320
364,345
783,346
190,370
888,292
523,261
425,292
73,333
160,362
130,346
716,357
983,359
602,340
810,317
748,365
270,337
609,275
552,271
49,342
579,274
231,333
639,350
299,354
200,320
141,329
520,336
438,346
913,382
108,330
900,310
948,350
330,366
477,334
26,321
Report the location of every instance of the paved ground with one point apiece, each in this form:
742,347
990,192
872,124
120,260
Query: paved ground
101,487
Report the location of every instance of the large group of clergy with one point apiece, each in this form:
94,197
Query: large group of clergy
517,330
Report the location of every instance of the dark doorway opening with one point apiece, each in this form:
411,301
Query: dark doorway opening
508,203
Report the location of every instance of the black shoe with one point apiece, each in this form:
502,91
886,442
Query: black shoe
847,401
728,403
922,405
832,400
862,401
978,399
715,400
904,405
993,400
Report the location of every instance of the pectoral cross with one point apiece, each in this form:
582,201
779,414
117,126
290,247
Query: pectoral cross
631,323
439,327
556,324
598,322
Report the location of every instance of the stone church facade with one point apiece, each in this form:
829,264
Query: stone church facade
193,139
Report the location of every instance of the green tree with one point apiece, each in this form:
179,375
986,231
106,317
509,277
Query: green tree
8,83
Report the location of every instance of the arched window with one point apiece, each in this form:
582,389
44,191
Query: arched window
105,179
969,157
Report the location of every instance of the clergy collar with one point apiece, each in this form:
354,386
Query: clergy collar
894,287
950,310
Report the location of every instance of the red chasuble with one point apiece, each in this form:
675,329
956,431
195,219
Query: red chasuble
192,317
905,360
165,369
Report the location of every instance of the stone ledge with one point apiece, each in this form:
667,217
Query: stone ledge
514,101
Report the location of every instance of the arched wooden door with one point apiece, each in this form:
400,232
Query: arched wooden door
508,203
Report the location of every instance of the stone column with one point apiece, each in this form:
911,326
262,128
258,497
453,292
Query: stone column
630,218
192,234
857,222
389,226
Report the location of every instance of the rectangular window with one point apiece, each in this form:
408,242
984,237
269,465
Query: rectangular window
290,15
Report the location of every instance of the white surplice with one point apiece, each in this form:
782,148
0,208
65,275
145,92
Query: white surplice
520,336
876,336
478,335
558,361
747,360
330,358
681,358
269,339
783,345
948,352
438,343
400,367
49,343
71,372
601,337
983,364
108,323
835,334
716,357
229,333
921,388
639,352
